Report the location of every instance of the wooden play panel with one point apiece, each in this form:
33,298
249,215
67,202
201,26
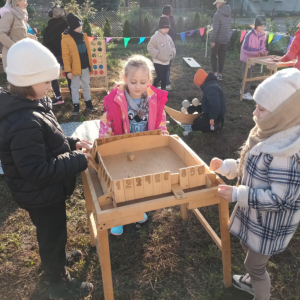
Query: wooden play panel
141,172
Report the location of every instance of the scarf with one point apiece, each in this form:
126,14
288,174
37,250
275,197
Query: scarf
77,36
141,111
18,12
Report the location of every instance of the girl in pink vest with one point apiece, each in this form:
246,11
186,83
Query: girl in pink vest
134,106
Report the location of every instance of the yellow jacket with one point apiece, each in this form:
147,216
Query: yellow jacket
70,54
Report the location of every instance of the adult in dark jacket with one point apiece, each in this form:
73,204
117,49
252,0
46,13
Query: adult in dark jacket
40,164
220,36
167,12
52,40
213,104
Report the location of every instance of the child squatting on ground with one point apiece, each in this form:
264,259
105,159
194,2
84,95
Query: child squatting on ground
254,45
213,104
39,162
77,58
134,106
267,213
162,50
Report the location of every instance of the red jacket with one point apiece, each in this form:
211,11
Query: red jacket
294,51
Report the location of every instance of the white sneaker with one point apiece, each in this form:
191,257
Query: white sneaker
243,282
247,96
168,88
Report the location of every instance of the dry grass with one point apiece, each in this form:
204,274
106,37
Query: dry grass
167,258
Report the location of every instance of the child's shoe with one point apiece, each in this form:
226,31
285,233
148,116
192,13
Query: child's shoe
247,96
76,110
243,282
168,87
117,230
145,219
57,101
220,77
70,288
89,106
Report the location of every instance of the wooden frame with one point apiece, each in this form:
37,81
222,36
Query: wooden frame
272,66
108,215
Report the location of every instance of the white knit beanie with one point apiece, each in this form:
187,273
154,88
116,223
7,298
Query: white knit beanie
277,88
29,63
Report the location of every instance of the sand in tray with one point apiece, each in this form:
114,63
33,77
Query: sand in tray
151,161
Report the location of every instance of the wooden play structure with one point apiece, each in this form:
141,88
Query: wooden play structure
272,62
141,172
98,47
180,117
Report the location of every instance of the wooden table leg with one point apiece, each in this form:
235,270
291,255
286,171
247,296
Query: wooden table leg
225,240
183,210
104,258
244,81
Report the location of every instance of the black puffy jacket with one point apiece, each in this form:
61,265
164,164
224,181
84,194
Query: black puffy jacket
213,101
38,161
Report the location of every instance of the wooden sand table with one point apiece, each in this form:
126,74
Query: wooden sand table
137,173
272,62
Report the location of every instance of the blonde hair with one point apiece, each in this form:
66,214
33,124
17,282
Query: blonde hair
136,61
244,149
58,12
12,3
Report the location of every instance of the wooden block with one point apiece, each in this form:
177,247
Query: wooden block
208,182
148,186
130,156
193,178
201,178
138,187
212,177
118,189
175,178
184,178
157,184
167,182
178,192
129,189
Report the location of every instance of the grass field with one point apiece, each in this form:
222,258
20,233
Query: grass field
167,258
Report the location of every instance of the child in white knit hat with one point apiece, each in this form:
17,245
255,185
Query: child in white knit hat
39,162
267,212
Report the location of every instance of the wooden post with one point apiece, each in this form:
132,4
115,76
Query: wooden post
244,80
105,264
225,240
183,210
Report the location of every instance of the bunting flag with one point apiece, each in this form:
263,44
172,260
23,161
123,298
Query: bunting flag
91,38
142,39
190,33
202,31
126,40
271,35
108,39
243,33
290,43
182,34
278,38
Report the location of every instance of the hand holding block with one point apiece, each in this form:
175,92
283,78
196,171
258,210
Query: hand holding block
130,156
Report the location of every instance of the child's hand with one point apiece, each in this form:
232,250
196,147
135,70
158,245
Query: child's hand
83,144
212,122
212,45
70,76
225,191
215,164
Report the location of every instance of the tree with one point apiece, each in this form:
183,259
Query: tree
196,23
146,28
84,11
126,29
107,4
180,25
107,28
86,27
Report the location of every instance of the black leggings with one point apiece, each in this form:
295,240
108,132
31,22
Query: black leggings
161,75
220,51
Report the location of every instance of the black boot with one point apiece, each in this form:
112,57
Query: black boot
76,110
89,106
70,288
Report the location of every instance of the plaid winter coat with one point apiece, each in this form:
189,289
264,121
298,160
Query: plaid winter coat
269,203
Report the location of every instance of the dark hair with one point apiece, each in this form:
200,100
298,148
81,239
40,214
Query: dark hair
22,91
167,10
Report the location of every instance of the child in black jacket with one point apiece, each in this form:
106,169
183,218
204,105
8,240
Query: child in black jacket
39,162
213,105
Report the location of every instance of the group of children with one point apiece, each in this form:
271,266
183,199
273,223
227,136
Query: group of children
41,170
